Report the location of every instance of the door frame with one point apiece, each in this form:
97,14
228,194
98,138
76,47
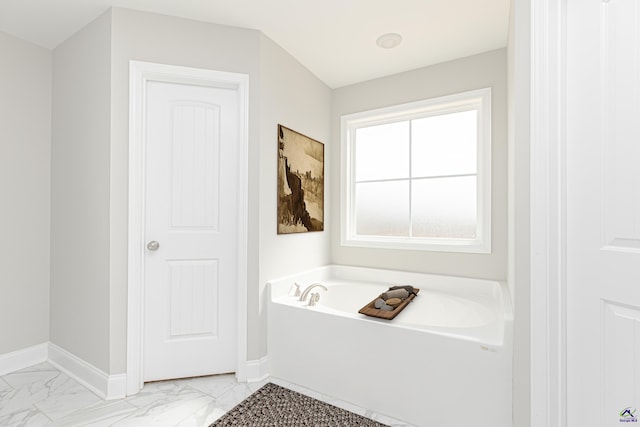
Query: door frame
548,284
139,74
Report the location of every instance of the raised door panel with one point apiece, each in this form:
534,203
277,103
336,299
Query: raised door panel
195,181
620,110
194,288
621,368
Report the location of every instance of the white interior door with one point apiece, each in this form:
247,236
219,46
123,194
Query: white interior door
603,212
190,217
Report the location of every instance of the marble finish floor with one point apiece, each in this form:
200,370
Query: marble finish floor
41,395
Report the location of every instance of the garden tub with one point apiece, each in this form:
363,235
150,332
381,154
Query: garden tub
445,360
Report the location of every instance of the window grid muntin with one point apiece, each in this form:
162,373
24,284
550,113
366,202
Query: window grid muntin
479,100
411,179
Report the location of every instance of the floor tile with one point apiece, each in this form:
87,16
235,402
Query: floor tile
44,390
4,386
165,412
204,416
235,395
21,400
33,376
102,414
43,396
214,386
29,417
65,396
163,393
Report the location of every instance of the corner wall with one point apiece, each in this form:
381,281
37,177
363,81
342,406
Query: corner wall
293,97
25,155
80,164
474,72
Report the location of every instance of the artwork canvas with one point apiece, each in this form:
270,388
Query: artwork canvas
300,183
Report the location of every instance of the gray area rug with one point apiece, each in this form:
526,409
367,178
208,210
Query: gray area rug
276,406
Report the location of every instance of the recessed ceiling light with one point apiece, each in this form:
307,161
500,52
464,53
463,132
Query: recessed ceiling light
389,40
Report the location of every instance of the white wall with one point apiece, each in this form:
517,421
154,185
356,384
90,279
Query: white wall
519,52
80,239
25,131
293,97
475,72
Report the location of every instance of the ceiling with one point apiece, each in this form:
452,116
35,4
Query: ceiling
334,39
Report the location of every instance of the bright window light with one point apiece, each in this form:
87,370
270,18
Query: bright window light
418,176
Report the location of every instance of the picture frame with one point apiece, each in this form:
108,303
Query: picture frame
300,182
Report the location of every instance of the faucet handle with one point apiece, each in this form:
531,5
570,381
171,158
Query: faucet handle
314,298
295,290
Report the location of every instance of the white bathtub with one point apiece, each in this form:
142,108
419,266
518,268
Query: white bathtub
444,361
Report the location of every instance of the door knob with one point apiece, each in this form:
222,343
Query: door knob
153,245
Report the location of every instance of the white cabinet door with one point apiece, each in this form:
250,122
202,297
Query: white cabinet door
191,185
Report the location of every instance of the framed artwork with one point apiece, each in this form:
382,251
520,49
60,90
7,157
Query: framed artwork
300,183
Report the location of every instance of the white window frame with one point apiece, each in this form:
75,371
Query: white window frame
477,99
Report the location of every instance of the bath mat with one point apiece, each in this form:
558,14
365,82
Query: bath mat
276,406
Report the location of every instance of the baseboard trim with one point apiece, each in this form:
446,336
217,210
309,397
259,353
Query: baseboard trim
104,385
256,370
23,358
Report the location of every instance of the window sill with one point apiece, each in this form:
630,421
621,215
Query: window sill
427,245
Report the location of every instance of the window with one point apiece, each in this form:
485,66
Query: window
418,175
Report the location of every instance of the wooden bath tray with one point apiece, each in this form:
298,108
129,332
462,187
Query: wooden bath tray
371,310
